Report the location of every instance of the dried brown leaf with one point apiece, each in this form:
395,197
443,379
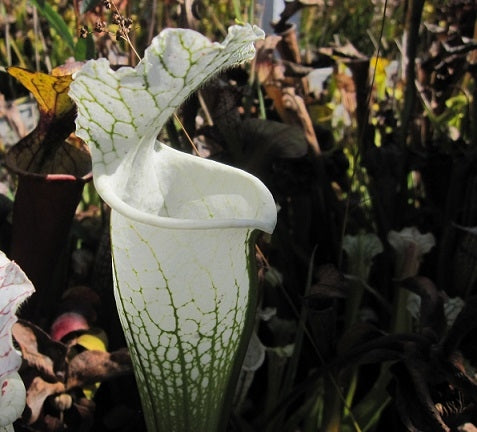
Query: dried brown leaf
36,395
39,351
89,367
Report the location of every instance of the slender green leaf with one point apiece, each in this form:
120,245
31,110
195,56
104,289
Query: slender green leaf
55,20
85,49
368,411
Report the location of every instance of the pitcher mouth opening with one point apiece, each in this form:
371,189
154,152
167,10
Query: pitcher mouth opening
178,190
266,223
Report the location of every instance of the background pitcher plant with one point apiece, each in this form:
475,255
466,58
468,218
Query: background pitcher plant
15,288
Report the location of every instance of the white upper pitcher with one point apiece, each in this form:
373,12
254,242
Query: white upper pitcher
182,228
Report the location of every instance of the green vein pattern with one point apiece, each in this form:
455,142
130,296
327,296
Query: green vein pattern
185,330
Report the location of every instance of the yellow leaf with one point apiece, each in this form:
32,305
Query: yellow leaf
92,342
51,92
380,64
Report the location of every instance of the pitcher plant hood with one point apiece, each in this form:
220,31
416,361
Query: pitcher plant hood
120,114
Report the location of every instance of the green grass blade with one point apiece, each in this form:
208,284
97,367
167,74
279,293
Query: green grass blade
85,49
55,20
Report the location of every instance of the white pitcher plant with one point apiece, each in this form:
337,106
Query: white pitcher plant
182,228
15,287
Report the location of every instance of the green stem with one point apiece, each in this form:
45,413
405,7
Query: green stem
276,368
352,386
237,11
294,360
353,303
333,407
401,319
